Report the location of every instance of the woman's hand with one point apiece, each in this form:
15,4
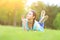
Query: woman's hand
22,17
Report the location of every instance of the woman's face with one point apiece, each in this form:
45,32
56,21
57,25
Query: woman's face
29,15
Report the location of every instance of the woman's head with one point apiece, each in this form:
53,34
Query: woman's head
31,15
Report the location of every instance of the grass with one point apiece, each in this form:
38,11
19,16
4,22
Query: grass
16,33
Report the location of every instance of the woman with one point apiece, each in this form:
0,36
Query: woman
30,22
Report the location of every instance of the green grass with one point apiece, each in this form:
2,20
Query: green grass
16,33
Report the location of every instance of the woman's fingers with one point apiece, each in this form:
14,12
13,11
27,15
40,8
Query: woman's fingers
22,17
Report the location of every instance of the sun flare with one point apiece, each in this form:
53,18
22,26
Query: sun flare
29,2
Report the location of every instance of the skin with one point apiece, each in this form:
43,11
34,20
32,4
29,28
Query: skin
44,17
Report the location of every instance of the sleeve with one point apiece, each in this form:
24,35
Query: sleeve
39,27
25,24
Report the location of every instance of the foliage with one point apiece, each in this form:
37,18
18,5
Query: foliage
56,22
51,11
38,7
11,11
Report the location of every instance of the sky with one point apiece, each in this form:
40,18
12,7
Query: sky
50,2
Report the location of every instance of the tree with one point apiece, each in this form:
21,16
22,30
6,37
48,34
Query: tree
11,11
38,7
51,11
56,22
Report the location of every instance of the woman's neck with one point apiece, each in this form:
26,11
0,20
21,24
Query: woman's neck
30,23
30,20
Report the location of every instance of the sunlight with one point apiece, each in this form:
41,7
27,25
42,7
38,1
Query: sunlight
29,2
50,2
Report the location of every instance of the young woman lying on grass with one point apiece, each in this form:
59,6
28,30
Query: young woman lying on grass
30,23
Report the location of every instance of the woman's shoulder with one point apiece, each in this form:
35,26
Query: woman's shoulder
36,21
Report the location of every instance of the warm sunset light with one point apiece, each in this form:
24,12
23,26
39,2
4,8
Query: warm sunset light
50,2
29,2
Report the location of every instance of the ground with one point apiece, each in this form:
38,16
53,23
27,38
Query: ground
16,33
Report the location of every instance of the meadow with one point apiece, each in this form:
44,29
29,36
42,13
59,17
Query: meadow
17,33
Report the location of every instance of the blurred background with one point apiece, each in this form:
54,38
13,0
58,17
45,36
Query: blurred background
11,11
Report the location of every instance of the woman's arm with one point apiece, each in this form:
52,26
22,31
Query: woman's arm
23,22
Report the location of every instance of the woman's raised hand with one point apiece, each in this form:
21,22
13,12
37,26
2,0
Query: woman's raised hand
22,17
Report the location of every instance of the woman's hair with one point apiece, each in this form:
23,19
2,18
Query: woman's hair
34,14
